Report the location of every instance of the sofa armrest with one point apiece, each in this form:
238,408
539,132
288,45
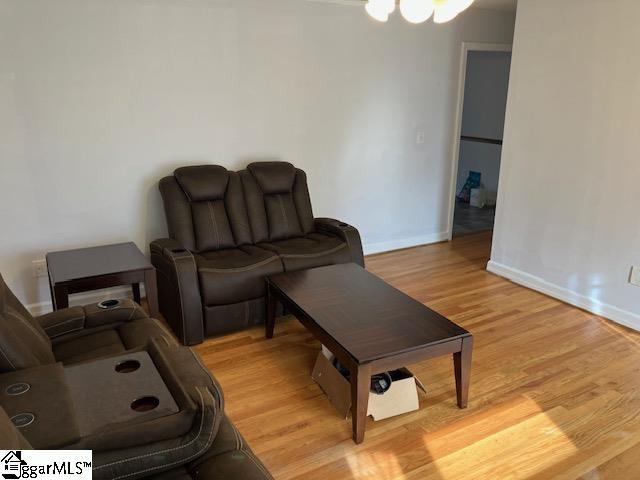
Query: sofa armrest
61,322
229,457
168,247
11,437
73,319
179,289
346,232
126,310
181,437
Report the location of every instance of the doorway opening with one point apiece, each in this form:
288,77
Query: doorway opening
482,102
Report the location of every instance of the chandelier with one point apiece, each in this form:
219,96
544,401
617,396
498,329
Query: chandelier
418,11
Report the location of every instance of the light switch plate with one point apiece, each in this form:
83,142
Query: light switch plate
39,268
634,278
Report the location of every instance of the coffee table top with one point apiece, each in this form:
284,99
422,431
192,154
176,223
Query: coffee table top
368,317
81,263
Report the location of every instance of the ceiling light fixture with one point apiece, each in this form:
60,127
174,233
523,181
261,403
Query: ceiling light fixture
418,11
380,9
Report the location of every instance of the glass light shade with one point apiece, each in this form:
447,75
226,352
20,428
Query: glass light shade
463,5
445,10
376,10
416,11
389,5
380,9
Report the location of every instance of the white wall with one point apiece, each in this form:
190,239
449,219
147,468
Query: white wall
567,218
485,99
100,98
485,93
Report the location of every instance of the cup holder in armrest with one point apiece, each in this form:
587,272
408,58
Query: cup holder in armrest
108,304
127,366
145,404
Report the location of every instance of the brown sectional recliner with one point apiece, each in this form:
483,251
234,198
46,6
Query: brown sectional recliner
70,335
196,440
228,231
228,458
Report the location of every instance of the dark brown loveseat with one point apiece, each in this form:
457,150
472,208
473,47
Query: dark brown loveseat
37,355
228,230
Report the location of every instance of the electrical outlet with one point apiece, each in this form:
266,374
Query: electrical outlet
40,268
634,278
420,137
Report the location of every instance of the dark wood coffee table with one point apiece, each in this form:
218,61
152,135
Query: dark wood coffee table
370,326
84,269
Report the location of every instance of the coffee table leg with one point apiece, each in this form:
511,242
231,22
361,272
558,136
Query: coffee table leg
270,321
360,385
462,367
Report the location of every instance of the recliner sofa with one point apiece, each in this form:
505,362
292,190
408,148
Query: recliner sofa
228,231
48,368
70,335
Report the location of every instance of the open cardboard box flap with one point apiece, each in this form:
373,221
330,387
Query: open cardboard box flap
401,398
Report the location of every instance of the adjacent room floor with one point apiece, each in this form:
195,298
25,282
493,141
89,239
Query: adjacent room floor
468,219
555,391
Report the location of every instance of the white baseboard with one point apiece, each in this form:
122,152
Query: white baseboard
618,315
390,245
85,299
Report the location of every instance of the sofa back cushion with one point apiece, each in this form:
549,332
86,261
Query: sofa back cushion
205,208
277,199
23,342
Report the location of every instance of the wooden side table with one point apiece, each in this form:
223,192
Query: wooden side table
84,269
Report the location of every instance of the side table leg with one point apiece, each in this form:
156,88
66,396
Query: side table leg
462,368
360,385
151,288
135,288
60,297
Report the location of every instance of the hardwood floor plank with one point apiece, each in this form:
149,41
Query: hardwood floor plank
555,391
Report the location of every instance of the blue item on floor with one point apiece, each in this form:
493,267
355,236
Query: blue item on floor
473,181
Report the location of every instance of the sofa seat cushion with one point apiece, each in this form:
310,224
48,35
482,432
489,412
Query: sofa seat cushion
137,334
91,345
235,274
309,251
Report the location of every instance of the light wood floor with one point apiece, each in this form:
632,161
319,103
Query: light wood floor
555,391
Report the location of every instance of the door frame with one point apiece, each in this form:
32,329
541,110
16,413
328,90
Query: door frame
457,130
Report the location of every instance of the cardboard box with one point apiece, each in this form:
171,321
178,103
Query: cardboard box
401,398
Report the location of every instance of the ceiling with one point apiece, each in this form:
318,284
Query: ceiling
508,5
